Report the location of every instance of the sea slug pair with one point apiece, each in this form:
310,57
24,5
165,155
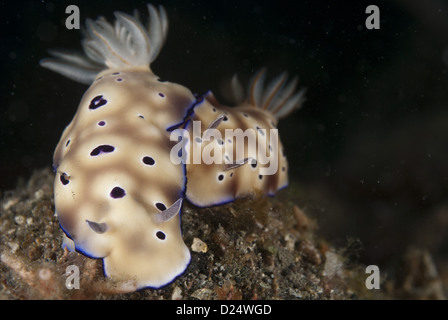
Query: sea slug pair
118,188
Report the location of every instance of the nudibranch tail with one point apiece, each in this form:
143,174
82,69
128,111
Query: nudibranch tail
125,44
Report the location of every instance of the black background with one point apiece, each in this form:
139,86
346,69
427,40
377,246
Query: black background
368,151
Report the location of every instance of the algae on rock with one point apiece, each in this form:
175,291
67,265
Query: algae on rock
260,248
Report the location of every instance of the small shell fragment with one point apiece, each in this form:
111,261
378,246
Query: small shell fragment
177,293
199,246
10,203
19,219
203,294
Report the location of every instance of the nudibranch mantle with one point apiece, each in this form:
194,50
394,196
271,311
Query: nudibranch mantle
114,178
118,194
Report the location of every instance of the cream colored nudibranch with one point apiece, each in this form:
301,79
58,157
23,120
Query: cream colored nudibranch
248,156
117,194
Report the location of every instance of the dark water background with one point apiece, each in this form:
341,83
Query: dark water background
368,151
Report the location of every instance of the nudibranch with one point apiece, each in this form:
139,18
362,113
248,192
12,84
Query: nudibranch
117,194
242,143
118,190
